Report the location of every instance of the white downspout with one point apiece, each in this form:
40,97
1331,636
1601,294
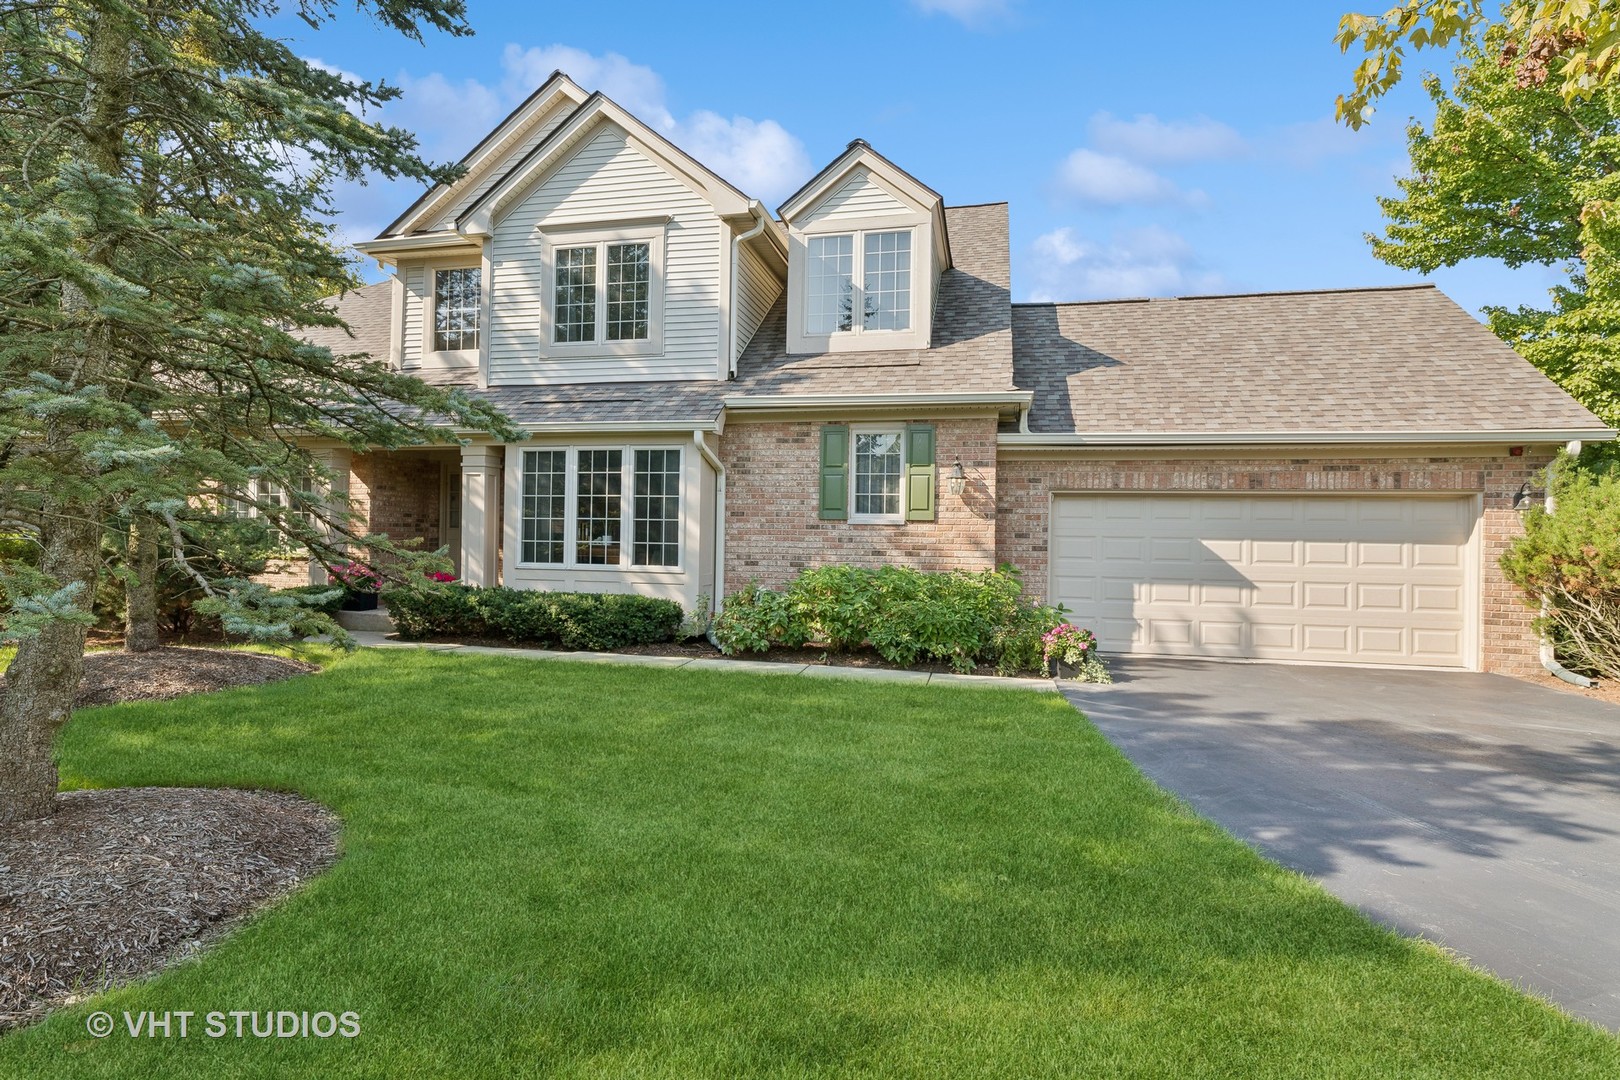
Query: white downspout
1548,660
761,219
719,525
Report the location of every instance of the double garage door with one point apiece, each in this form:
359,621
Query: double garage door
1323,578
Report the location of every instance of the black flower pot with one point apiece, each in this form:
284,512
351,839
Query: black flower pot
1062,669
359,601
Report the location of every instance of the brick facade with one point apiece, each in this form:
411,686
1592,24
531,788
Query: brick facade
1509,644
772,485
397,495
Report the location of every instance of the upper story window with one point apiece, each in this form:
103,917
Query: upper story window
837,300
457,300
605,293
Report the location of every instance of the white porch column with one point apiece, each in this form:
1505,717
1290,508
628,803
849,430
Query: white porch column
338,462
480,514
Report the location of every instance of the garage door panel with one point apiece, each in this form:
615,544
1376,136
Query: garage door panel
1333,578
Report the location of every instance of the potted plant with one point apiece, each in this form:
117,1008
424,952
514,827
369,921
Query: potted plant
1069,652
360,584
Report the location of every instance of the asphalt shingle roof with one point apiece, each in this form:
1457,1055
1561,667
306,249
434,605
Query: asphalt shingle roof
368,311
1403,359
972,348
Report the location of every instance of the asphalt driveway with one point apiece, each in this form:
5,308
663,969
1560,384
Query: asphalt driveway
1477,811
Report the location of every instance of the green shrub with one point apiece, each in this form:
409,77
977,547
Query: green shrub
961,618
589,621
1569,561
757,619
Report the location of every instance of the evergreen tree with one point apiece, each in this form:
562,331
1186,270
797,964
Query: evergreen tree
165,179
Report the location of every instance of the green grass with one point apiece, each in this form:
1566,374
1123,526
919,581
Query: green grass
570,870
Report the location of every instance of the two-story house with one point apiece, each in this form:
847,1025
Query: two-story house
716,392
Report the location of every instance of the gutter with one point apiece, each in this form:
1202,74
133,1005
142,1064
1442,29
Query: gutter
385,248
1103,440
761,220
1020,398
1548,660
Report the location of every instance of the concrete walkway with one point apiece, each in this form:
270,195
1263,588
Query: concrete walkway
1478,811
374,640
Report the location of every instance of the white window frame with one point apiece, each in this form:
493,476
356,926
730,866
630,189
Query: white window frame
627,509
899,432
599,237
857,337
432,357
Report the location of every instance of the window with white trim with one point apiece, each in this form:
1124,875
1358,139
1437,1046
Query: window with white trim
876,475
881,292
604,293
457,300
580,505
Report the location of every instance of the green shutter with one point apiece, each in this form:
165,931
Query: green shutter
920,472
835,472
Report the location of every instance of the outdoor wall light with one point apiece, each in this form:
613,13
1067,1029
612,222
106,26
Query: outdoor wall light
958,478
1525,497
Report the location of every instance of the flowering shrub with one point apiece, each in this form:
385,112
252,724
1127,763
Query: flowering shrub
1069,644
443,577
356,577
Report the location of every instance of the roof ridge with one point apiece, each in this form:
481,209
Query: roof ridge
1231,296
974,205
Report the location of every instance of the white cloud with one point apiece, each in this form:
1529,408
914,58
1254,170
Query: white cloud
1133,262
1311,142
1149,140
634,86
970,13
758,156
1110,180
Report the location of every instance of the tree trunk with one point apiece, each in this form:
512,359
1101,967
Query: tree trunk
40,685
43,679
140,589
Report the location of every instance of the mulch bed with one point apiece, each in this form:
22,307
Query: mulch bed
172,671
119,883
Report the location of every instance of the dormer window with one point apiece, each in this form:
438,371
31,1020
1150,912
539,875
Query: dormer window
456,303
881,294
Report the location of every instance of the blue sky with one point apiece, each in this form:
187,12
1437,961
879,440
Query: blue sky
1145,150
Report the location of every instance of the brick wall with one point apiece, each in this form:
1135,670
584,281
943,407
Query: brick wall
1509,644
772,485
397,495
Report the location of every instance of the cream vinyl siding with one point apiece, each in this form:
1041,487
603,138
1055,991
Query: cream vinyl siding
415,311
604,181
857,197
757,290
1338,579
500,161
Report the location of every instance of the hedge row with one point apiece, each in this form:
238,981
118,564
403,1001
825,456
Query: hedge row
960,618
590,621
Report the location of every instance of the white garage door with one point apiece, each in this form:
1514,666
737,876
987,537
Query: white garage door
1371,579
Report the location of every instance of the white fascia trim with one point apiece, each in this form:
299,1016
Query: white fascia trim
1292,438
808,401
390,248
576,427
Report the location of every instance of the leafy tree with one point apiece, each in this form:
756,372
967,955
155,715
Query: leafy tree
1577,40
1522,176
165,178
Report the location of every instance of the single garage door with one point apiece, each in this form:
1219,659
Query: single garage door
1345,579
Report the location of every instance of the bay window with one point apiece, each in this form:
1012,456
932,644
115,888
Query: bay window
601,506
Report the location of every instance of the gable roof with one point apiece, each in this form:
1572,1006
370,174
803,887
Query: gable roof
556,87
858,153
972,346
598,107
1311,365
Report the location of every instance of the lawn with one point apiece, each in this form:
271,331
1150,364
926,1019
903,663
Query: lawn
573,870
